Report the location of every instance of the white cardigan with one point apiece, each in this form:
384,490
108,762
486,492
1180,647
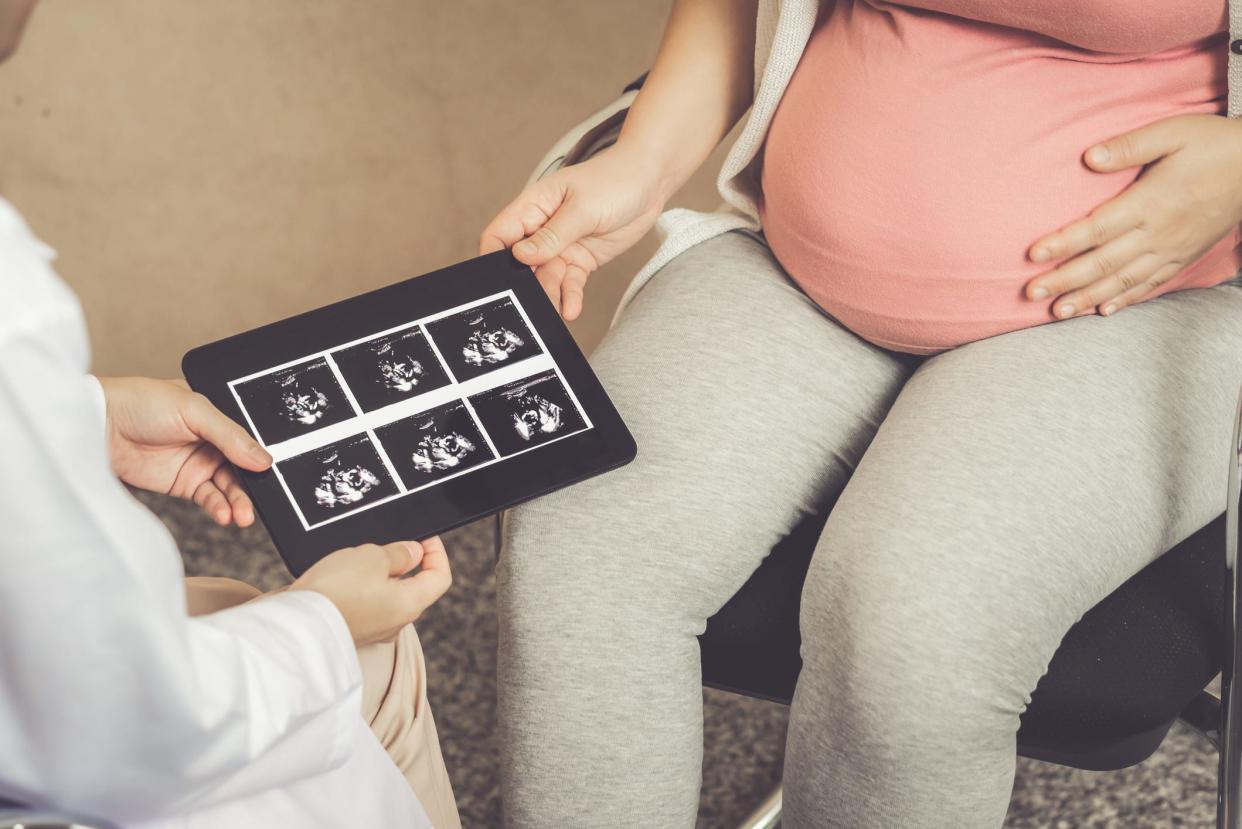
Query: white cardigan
781,34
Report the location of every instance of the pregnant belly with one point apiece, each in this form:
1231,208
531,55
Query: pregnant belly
903,186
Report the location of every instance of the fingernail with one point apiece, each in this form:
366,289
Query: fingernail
1039,293
1040,254
259,453
1108,309
1066,310
525,247
415,549
1100,154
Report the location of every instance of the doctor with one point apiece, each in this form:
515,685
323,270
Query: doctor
305,708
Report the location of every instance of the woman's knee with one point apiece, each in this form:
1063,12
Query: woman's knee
897,635
572,558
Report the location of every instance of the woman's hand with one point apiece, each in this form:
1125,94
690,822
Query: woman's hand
568,224
1179,207
165,438
572,222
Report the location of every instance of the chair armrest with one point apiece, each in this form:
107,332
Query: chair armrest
1230,782
10,819
596,133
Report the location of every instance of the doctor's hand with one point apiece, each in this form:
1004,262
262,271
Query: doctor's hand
164,438
366,585
1188,197
575,220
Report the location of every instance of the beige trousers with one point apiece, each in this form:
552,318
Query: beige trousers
394,700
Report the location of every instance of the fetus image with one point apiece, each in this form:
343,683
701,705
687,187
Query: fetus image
400,372
535,415
528,412
486,337
345,486
488,347
336,479
390,368
434,444
437,452
294,401
303,405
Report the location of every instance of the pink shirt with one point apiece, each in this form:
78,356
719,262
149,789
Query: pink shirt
918,152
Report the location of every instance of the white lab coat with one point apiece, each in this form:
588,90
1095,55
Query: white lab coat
112,702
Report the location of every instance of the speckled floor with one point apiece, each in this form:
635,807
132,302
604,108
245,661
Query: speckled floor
1175,788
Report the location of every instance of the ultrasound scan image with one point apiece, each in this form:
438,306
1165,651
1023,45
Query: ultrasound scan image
527,412
400,374
483,338
390,368
337,478
540,415
293,401
345,486
490,347
434,444
439,452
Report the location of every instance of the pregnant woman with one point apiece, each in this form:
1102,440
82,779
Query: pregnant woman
976,282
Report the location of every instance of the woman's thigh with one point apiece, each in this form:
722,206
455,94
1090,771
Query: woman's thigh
749,407
1016,482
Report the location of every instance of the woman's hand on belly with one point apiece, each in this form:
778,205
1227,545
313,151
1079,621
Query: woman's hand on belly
1187,200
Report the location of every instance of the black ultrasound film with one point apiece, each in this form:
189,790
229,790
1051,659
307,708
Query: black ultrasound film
483,338
390,368
294,401
528,412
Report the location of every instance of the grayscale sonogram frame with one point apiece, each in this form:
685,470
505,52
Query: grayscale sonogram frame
367,422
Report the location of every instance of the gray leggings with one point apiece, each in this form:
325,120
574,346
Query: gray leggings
989,496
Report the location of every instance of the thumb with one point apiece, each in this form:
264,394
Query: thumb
1134,149
564,227
234,442
432,581
403,556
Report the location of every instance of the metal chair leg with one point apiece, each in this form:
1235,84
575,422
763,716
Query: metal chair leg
1228,781
1203,714
767,815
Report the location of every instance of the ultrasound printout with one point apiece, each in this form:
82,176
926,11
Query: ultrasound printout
371,420
528,412
390,368
293,401
483,338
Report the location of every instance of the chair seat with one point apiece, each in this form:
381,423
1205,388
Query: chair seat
1120,678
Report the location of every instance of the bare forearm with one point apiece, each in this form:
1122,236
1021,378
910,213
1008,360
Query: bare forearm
699,86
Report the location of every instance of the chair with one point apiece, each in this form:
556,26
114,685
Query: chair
1140,660
15,816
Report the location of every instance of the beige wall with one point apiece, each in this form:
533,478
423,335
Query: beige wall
205,167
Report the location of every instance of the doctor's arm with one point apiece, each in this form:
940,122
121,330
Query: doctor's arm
112,701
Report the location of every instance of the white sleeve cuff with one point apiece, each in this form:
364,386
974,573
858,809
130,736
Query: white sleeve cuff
299,658
99,399
297,620
325,624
